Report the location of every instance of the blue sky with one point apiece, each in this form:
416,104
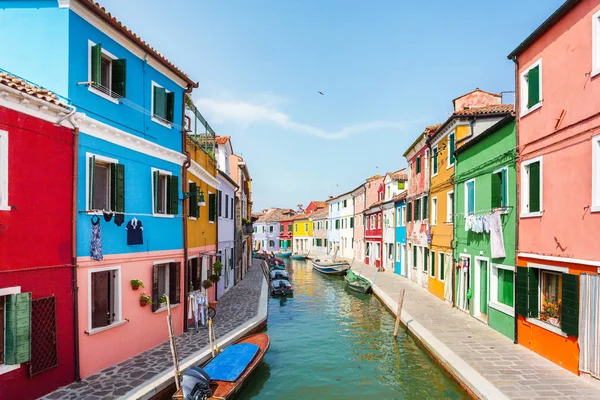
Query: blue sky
387,69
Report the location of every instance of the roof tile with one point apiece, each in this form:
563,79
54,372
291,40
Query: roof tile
30,89
490,110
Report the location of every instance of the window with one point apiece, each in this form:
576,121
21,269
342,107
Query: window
163,105
425,259
15,323
232,208
434,211
281,228
500,188
531,187
212,208
502,287
377,251
338,206
449,206
271,243
337,224
409,212
470,197
404,215
351,222
289,228
398,216
434,161
4,171
596,44
327,224
271,229
414,257
165,192
418,165
306,227
441,264
107,74
425,202
398,252
106,184
219,203
165,282
193,209
345,203
550,285
451,147
432,270
417,209
325,242
296,227
105,298
379,218
263,229
390,251
226,204
531,88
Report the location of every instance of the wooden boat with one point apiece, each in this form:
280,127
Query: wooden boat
276,267
281,287
223,376
283,254
279,274
330,267
276,261
299,256
357,283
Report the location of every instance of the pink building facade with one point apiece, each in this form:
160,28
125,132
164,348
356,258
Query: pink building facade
558,104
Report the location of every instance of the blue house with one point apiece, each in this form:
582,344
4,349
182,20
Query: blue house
400,206
128,101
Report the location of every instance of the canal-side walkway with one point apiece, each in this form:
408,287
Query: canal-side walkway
240,311
487,363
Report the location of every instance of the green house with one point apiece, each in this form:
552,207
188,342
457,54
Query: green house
485,190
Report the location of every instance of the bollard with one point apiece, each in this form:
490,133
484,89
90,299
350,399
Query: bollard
399,312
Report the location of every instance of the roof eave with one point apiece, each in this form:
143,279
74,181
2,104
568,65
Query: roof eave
489,131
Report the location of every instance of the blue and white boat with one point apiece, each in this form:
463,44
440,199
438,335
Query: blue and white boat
331,267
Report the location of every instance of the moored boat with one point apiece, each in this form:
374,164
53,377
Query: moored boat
299,256
281,287
331,268
283,254
225,374
357,283
279,274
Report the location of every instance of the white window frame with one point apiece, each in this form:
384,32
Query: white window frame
453,133
434,171
434,211
4,171
524,92
536,321
499,170
165,123
466,190
7,291
403,215
398,217
118,321
161,172
102,159
493,299
440,255
595,169
90,87
525,188
595,44
449,211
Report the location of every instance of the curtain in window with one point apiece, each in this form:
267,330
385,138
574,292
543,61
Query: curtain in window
589,324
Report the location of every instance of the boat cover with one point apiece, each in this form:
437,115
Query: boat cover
231,363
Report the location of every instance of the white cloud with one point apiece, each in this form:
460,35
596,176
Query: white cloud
246,113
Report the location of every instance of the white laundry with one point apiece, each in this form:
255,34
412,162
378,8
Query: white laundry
496,237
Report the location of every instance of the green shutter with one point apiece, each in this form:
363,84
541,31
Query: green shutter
496,190
433,263
172,195
451,148
442,263
419,165
119,68
417,209
18,328
425,207
156,182
91,164
569,319
534,293
483,288
351,222
425,259
408,212
435,161
212,207
504,188
97,64
505,287
160,102
534,187
170,106
415,257
522,291
117,187
193,200
533,84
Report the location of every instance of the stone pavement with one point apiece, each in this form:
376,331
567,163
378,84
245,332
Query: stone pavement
236,307
483,360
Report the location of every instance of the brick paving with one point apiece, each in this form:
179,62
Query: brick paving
515,371
236,307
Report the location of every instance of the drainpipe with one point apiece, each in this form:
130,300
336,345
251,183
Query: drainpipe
74,284
184,185
518,194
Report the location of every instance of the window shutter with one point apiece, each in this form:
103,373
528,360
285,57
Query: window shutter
170,106
174,284
471,197
417,209
433,263
211,206
435,161
534,295
522,291
408,212
91,163
97,64
534,187
442,262
155,182
160,102
173,194
219,202
451,148
119,68
496,190
193,200
425,259
351,222
504,188
419,165
17,329
155,287
414,256
533,83
569,319
425,207
117,187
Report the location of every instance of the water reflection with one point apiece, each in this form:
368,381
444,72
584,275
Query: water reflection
330,343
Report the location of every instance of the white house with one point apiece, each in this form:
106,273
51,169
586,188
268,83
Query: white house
346,202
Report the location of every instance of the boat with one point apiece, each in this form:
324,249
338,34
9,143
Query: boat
283,254
357,283
281,287
331,267
261,255
277,267
276,261
279,274
223,376
299,256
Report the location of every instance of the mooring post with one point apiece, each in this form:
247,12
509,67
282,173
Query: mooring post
398,313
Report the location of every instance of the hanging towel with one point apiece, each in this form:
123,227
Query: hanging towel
486,223
96,240
496,238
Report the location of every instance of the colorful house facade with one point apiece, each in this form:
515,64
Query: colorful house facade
37,351
266,236
394,183
557,282
286,227
485,225
346,225
240,174
400,266
303,231
374,229
359,197
334,226
319,225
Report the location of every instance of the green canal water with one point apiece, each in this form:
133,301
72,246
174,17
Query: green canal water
329,343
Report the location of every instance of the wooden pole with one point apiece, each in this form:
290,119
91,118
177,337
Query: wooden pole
399,312
212,350
172,343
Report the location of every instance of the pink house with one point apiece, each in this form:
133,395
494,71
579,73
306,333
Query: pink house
364,196
558,107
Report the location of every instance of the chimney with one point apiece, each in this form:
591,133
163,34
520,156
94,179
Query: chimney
476,99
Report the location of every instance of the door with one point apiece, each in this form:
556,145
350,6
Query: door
589,328
462,284
480,292
404,261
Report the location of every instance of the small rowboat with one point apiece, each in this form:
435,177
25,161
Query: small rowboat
283,254
225,374
357,283
299,256
331,268
281,287
276,267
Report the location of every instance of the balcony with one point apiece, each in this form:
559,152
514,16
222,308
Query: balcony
248,229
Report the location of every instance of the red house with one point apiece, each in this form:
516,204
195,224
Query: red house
285,231
374,230
314,206
37,341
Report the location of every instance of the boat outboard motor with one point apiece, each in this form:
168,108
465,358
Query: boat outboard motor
195,384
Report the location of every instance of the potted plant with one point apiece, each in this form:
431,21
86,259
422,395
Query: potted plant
136,283
206,284
145,300
551,311
217,268
162,301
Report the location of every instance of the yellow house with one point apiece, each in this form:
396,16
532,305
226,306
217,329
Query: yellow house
302,234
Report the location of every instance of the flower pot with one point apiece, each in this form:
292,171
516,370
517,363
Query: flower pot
553,321
143,303
135,287
212,304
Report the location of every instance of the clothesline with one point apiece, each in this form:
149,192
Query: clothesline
99,212
482,212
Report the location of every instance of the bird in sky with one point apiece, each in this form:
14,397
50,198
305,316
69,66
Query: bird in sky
321,93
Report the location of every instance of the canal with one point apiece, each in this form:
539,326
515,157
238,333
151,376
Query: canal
329,343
